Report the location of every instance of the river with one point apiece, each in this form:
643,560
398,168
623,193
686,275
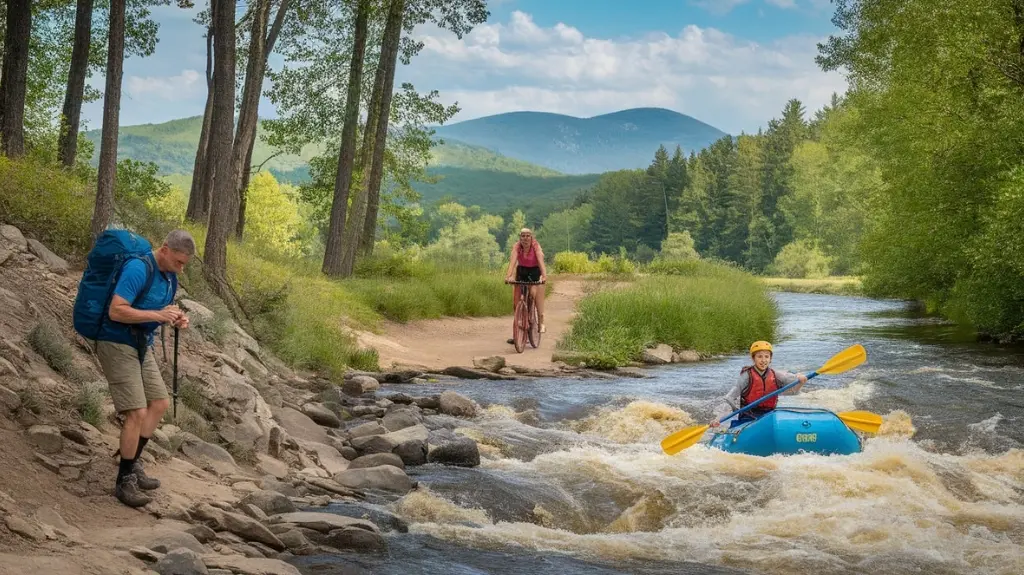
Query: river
573,480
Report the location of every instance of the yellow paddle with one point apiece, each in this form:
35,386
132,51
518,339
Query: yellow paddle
845,360
861,420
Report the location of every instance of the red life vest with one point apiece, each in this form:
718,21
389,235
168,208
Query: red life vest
758,387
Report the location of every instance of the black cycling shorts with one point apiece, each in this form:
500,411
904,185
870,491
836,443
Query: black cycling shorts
527,274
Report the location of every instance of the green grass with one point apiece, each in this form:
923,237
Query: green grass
711,308
48,204
454,294
836,285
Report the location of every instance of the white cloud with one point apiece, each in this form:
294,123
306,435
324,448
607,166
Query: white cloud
718,6
184,86
734,84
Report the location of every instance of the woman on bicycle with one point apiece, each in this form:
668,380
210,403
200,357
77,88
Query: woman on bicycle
527,261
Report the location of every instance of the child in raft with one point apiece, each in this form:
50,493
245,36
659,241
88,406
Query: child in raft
755,382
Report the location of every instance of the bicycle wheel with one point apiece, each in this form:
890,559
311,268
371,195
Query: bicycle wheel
520,327
534,332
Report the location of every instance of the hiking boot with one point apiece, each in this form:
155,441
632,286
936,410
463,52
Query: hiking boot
127,492
145,482
511,341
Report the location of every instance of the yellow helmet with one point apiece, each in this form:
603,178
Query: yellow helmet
761,346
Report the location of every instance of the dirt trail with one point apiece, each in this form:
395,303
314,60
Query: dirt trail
447,342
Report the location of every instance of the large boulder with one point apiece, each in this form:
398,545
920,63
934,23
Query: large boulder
329,458
53,262
359,385
181,562
249,566
244,430
460,452
382,477
375,459
366,429
322,522
300,426
321,415
402,418
11,238
452,403
215,456
658,355
241,525
269,502
412,452
493,363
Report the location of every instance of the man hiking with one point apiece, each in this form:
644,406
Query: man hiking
126,293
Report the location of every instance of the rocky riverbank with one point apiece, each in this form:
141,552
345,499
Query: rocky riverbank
254,454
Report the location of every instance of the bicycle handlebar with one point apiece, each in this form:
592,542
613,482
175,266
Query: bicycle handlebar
516,283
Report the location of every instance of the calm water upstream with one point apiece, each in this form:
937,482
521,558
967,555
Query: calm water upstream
573,480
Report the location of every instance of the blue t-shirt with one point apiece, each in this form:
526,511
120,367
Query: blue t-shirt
133,280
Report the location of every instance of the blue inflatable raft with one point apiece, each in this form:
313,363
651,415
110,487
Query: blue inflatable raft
788,431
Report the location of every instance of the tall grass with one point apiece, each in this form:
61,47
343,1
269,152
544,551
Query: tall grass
707,307
835,285
47,203
455,293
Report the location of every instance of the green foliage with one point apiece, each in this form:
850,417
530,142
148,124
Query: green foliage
938,93
465,238
137,188
678,246
48,204
573,263
801,259
272,218
567,230
723,311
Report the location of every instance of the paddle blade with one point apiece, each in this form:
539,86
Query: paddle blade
861,420
682,439
845,360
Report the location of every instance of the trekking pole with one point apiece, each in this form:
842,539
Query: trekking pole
175,375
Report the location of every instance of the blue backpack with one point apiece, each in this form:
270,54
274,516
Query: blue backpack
113,249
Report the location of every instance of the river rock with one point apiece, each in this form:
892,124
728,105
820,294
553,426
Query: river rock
375,459
367,429
300,426
244,431
402,418
322,522
53,262
429,402
374,444
491,363
686,356
382,477
161,538
181,562
452,403
249,566
236,523
658,355
329,457
216,456
321,415
412,452
270,502
202,533
359,385
461,452
46,438
356,539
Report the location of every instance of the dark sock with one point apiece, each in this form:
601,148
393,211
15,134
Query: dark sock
142,445
124,469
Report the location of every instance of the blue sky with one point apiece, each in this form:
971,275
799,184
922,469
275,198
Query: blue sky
731,63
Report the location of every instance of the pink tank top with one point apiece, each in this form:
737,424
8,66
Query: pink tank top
528,259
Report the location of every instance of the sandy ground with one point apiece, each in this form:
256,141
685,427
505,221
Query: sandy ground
442,343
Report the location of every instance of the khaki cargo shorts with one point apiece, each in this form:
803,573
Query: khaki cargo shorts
131,386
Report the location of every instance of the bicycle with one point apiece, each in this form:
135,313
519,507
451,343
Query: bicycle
526,320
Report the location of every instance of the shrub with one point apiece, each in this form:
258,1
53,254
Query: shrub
801,259
89,404
715,309
48,341
48,204
573,263
678,246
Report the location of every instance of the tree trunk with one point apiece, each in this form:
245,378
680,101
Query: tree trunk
346,156
198,199
67,146
13,81
376,134
224,201
248,113
111,121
